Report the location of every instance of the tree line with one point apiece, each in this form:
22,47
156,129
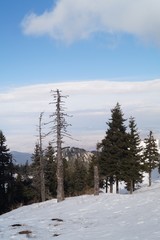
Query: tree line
118,157
21,184
121,156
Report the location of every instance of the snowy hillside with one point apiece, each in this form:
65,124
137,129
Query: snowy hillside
104,217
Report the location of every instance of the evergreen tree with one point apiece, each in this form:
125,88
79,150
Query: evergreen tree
69,184
6,176
80,177
92,173
114,148
50,172
35,172
24,192
133,164
151,155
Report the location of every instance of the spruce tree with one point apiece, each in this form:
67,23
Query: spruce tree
6,175
114,148
133,165
69,172
24,192
93,174
50,171
80,177
90,175
35,171
151,155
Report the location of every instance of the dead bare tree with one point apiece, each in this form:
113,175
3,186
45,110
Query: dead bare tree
96,173
96,180
60,130
42,178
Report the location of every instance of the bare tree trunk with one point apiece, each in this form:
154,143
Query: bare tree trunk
106,184
133,184
60,177
111,184
43,194
150,178
60,129
117,186
96,180
131,187
111,187
42,179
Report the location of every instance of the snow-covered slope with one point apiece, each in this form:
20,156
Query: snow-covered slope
103,217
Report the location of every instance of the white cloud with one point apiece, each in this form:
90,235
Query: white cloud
89,102
72,20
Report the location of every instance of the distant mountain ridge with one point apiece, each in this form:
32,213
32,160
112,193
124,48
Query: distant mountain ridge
21,157
74,153
69,153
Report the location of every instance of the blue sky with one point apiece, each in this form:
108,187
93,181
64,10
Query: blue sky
78,44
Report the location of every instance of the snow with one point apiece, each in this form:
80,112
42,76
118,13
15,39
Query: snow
88,217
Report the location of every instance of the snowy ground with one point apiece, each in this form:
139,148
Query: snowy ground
104,217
